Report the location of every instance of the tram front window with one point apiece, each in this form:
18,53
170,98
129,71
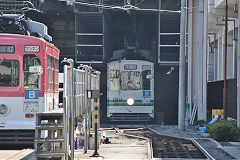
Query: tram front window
31,80
9,73
146,81
114,80
130,80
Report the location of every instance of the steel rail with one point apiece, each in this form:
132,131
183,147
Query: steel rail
193,140
203,150
182,138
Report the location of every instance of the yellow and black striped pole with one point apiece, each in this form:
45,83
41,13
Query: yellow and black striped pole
96,127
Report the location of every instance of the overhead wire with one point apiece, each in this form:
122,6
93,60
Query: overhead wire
125,7
139,2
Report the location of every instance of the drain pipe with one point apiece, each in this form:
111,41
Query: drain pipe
225,64
234,72
238,69
214,52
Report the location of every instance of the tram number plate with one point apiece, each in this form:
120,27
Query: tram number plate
31,48
117,99
146,67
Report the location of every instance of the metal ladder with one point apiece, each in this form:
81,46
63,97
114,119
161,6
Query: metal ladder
89,39
49,136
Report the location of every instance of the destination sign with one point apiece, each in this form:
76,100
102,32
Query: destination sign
7,49
130,66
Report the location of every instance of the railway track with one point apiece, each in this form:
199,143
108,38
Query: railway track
168,147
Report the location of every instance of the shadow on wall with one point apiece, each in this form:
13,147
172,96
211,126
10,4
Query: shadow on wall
166,94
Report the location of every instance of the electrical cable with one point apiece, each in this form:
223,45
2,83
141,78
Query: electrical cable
125,7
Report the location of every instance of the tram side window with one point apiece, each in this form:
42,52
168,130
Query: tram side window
56,74
114,80
130,80
31,80
145,80
50,72
9,73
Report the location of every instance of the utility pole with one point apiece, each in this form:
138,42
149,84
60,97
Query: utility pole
225,64
182,69
238,69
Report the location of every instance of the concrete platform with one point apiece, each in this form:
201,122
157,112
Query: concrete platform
121,147
115,151
15,154
232,148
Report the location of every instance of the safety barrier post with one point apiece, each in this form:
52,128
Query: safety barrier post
68,107
72,118
94,94
96,126
87,104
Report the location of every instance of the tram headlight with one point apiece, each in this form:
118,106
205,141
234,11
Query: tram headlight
130,101
3,109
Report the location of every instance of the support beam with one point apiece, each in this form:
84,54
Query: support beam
200,59
205,51
190,51
182,69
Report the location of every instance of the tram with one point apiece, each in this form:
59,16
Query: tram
29,68
130,90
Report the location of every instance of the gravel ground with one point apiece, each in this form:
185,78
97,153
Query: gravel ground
212,147
213,150
116,138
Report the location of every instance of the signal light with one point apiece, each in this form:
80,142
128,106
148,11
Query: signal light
145,104
29,115
115,104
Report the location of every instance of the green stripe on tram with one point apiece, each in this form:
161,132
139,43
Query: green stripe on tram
124,103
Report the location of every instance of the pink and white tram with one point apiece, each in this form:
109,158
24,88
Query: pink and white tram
29,69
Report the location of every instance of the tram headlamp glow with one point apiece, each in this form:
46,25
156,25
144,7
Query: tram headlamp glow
3,109
130,101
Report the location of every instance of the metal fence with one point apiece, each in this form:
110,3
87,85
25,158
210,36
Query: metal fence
77,105
15,6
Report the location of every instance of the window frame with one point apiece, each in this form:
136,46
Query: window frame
18,63
27,72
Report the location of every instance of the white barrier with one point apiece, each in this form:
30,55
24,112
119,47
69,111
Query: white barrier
77,106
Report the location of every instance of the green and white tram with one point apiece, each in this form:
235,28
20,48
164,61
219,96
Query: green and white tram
130,90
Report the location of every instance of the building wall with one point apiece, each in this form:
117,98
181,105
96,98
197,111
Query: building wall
90,35
216,56
215,97
216,29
